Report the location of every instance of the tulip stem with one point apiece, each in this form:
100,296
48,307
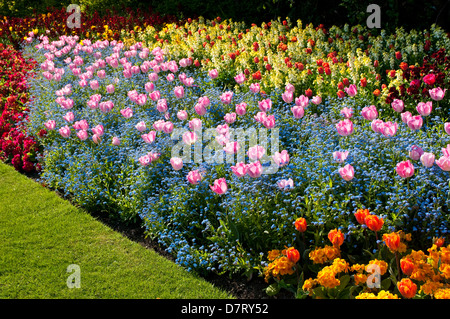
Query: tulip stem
398,265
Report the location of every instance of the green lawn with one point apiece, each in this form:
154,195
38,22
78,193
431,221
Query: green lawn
41,235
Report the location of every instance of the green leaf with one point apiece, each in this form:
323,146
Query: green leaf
320,292
386,283
344,281
272,289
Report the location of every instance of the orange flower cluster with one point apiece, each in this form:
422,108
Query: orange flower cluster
325,254
327,276
283,263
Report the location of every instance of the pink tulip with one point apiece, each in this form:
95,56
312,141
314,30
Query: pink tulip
168,127
316,100
340,157
110,88
424,109
82,135
256,152
265,105
255,87
141,127
182,115
369,112
281,158
351,90
447,127
269,121
345,127
69,117
241,108
204,100
289,87
230,117
389,129
189,138
223,129
231,147
161,105
159,125
437,94
127,113
240,78
115,141
254,169
194,177
446,151
398,105
189,82
213,74
177,163
405,169
106,106
260,117
222,139
220,186
226,97
415,122
298,111
347,112
170,77
406,116
149,137
96,138
64,131
347,172
153,77
200,109
427,159
302,100
94,84
155,95
240,169
287,96
444,163
285,184
98,130
415,153
178,91
101,74
145,160
195,124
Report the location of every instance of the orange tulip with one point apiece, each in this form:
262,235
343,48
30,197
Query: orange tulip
373,222
392,240
438,241
292,254
336,237
300,224
361,215
407,288
407,266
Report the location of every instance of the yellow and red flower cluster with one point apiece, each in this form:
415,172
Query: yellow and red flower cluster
283,263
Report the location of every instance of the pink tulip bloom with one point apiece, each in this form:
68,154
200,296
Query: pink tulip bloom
153,77
415,153
316,100
200,109
424,109
347,172
447,127
145,160
141,99
285,184
110,88
127,113
347,112
444,163
64,131
213,74
287,96
204,100
177,163
351,90
398,105
289,87
254,169
429,79
159,125
302,100
178,91
96,138
265,105
226,97
405,169
182,115
189,82
256,152
82,135
220,186
194,177
298,111
155,95
370,113
389,129
230,117
101,74
240,78
161,105
168,127
415,122
446,151
340,157
81,125
189,138
231,147
281,158
222,139
98,130
437,94
106,106
255,87
170,77
269,121
141,127
223,129
240,169
427,159
149,137
69,117
345,127
241,108
115,141
195,124
94,84
260,117
406,116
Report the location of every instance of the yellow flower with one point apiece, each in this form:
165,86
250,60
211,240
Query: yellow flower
382,264
360,278
430,287
442,294
381,295
273,254
322,255
309,284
